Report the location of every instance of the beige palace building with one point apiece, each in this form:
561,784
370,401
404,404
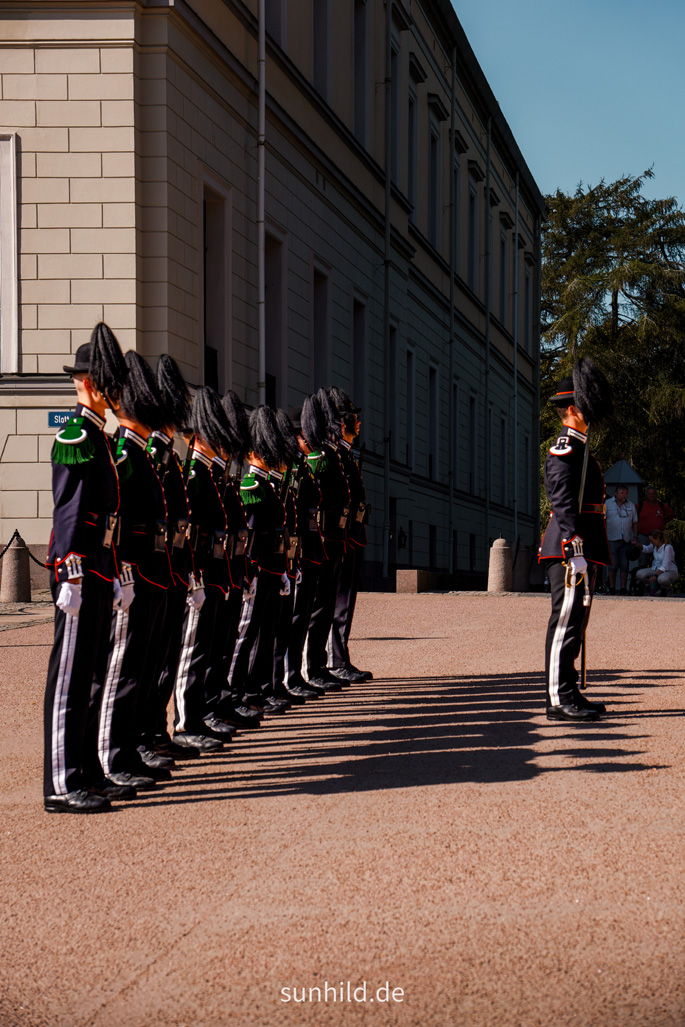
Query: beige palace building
391,245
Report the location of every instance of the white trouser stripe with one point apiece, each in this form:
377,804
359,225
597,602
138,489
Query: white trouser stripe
60,703
245,618
557,643
184,667
110,690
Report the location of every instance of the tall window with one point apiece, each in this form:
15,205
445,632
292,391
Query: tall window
526,475
395,111
412,140
433,421
361,72
503,278
473,238
434,186
503,462
411,406
432,546
473,446
320,334
456,212
9,296
454,427
275,313
216,289
321,43
359,352
392,387
527,305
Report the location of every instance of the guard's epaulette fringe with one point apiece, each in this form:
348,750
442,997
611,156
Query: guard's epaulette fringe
250,490
72,444
122,461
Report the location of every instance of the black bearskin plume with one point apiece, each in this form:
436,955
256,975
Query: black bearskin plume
140,398
285,427
330,413
313,421
209,421
239,423
592,392
107,365
267,440
342,402
173,391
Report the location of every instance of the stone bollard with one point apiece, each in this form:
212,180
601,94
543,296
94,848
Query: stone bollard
499,571
16,577
521,570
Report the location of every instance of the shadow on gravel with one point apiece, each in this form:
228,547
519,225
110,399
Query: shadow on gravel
416,733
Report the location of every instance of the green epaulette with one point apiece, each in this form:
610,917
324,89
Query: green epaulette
122,461
251,490
318,461
72,444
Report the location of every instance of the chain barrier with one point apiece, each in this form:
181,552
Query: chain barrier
31,556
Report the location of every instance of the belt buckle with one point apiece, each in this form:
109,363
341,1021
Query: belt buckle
181,533
240,544
219,544
160,536
111,523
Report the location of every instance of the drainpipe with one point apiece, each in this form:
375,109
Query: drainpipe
453,257
488,302
538,288
516,373
261,241
386,296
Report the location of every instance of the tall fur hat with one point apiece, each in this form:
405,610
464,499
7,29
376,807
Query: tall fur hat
174,392
267,440
342,401
314,424
209,421
285,426
593,394
330,413
239,424
140,398
107,367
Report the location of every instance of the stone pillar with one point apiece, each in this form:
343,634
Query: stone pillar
499,571
16,578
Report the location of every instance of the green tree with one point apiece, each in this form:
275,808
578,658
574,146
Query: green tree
613,288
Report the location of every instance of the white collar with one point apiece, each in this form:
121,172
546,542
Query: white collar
92,416
219,462
347,445
576,434
197,455
258,472
133,436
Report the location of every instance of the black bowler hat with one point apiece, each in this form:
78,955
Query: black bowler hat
82,361
563,397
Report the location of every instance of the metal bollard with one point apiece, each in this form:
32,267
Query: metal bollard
499,570
16,577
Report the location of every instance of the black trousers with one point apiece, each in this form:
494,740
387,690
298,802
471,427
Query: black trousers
343,612
73,688
291,648
201,644
154,715
131,677
219,696
282,638
567,624
323,609
252,664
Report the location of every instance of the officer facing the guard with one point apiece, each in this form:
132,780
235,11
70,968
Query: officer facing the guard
575,541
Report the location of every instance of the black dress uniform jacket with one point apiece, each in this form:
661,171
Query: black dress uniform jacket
307,496
568,523
143,510
168,467
209,524
236,523
335,494
266,521
356,522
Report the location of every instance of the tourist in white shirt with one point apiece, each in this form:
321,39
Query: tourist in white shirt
663,571
621,518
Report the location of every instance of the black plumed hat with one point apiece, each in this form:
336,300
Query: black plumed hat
267,441
209,421
107,367
285,426
593,394
330,413
342,401
313,421
239,424
173,391
140,399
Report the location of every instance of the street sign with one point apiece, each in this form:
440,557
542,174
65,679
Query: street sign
56,418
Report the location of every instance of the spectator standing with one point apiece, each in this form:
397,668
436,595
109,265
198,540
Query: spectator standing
652,515
621,517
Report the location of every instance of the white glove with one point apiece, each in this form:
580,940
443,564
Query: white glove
118,594
285,585
298,576
124,588
249,590
69,598
578,566
196,596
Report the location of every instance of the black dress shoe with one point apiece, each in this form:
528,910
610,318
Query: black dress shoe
176,751
110,790
292,698
299,682
275,707
322,679
570,711
586,704
304,692
346,676
366,674
242,716
141,782
219,728
78,801
155,760
203,743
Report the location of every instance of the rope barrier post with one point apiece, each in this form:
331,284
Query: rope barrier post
16,577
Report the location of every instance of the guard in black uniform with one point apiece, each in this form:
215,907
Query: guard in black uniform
575,541
137,627
339,663
82,563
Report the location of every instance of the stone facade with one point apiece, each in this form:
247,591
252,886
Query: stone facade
135,129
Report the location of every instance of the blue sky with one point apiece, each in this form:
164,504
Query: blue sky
590,89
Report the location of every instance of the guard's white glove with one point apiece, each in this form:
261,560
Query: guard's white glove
285,585
69,599
298,576
578,565
196,596
249,590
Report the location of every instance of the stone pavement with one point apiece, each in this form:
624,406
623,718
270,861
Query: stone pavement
430,829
